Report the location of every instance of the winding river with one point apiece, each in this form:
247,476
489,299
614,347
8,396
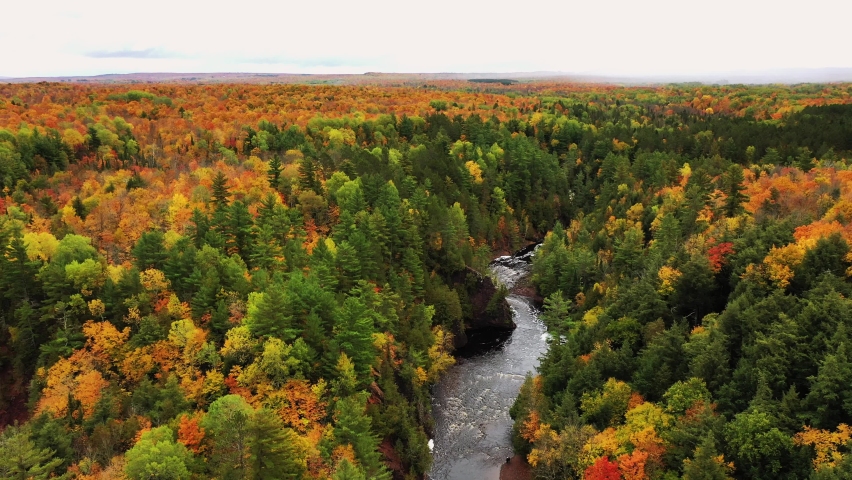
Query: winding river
471,403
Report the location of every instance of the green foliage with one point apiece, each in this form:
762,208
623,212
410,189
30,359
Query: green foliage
347,471
608,406
220,190
705,464
352,427
272,448
758,447
228,424
158,456
23,459
682,396
732,184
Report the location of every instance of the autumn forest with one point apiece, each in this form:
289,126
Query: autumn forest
265,281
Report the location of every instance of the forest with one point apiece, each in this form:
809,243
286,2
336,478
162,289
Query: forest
240,281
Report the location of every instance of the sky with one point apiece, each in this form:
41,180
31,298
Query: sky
592,37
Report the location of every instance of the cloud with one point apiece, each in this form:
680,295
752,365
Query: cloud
393,36
146,53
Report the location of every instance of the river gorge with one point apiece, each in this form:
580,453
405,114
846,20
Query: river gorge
472,436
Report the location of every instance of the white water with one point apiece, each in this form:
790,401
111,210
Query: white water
471,402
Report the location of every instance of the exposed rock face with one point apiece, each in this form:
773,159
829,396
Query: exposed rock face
459,338
488,302
488,309
485,307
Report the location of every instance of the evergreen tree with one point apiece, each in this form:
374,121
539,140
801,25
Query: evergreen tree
270,318
347,471
238,230
732,184
804,159
628,252
227,423
307,175
705,463
667,237
353,333
49,434
150,251
274,172
179,266
79,208
758,448
221,192
349,267
22,459
830,397
19,272
272,448
198,228
265,250
353,427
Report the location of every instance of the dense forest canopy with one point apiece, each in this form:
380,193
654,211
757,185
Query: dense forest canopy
263,281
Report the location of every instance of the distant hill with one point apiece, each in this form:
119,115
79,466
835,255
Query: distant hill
784,76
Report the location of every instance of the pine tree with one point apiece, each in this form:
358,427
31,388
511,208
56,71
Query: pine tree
266,250
19,272
705,463
308,176
21,459
667,237
353,427
274,172
267,209
227,423
150,251
353,331
269,319
79,208
238,231
347,471
272,448
830,397
323,266
198,228
628,252
804,159
733,188
220,190
49,434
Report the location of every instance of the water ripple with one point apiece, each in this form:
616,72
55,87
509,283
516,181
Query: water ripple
471,403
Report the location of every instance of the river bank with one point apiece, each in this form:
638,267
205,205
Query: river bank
516,469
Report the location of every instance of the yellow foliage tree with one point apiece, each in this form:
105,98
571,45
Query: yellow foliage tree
825,442
603,444
780,263
475,171
439,354
104,341
668,278
88,390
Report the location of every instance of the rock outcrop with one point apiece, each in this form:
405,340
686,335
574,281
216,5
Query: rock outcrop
485,307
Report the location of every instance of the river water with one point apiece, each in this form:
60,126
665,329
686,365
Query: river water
471,402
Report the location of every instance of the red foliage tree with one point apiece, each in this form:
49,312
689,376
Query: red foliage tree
602,469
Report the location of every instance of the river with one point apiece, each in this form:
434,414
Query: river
471,402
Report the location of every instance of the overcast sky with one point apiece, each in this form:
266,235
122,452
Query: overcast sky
602,37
